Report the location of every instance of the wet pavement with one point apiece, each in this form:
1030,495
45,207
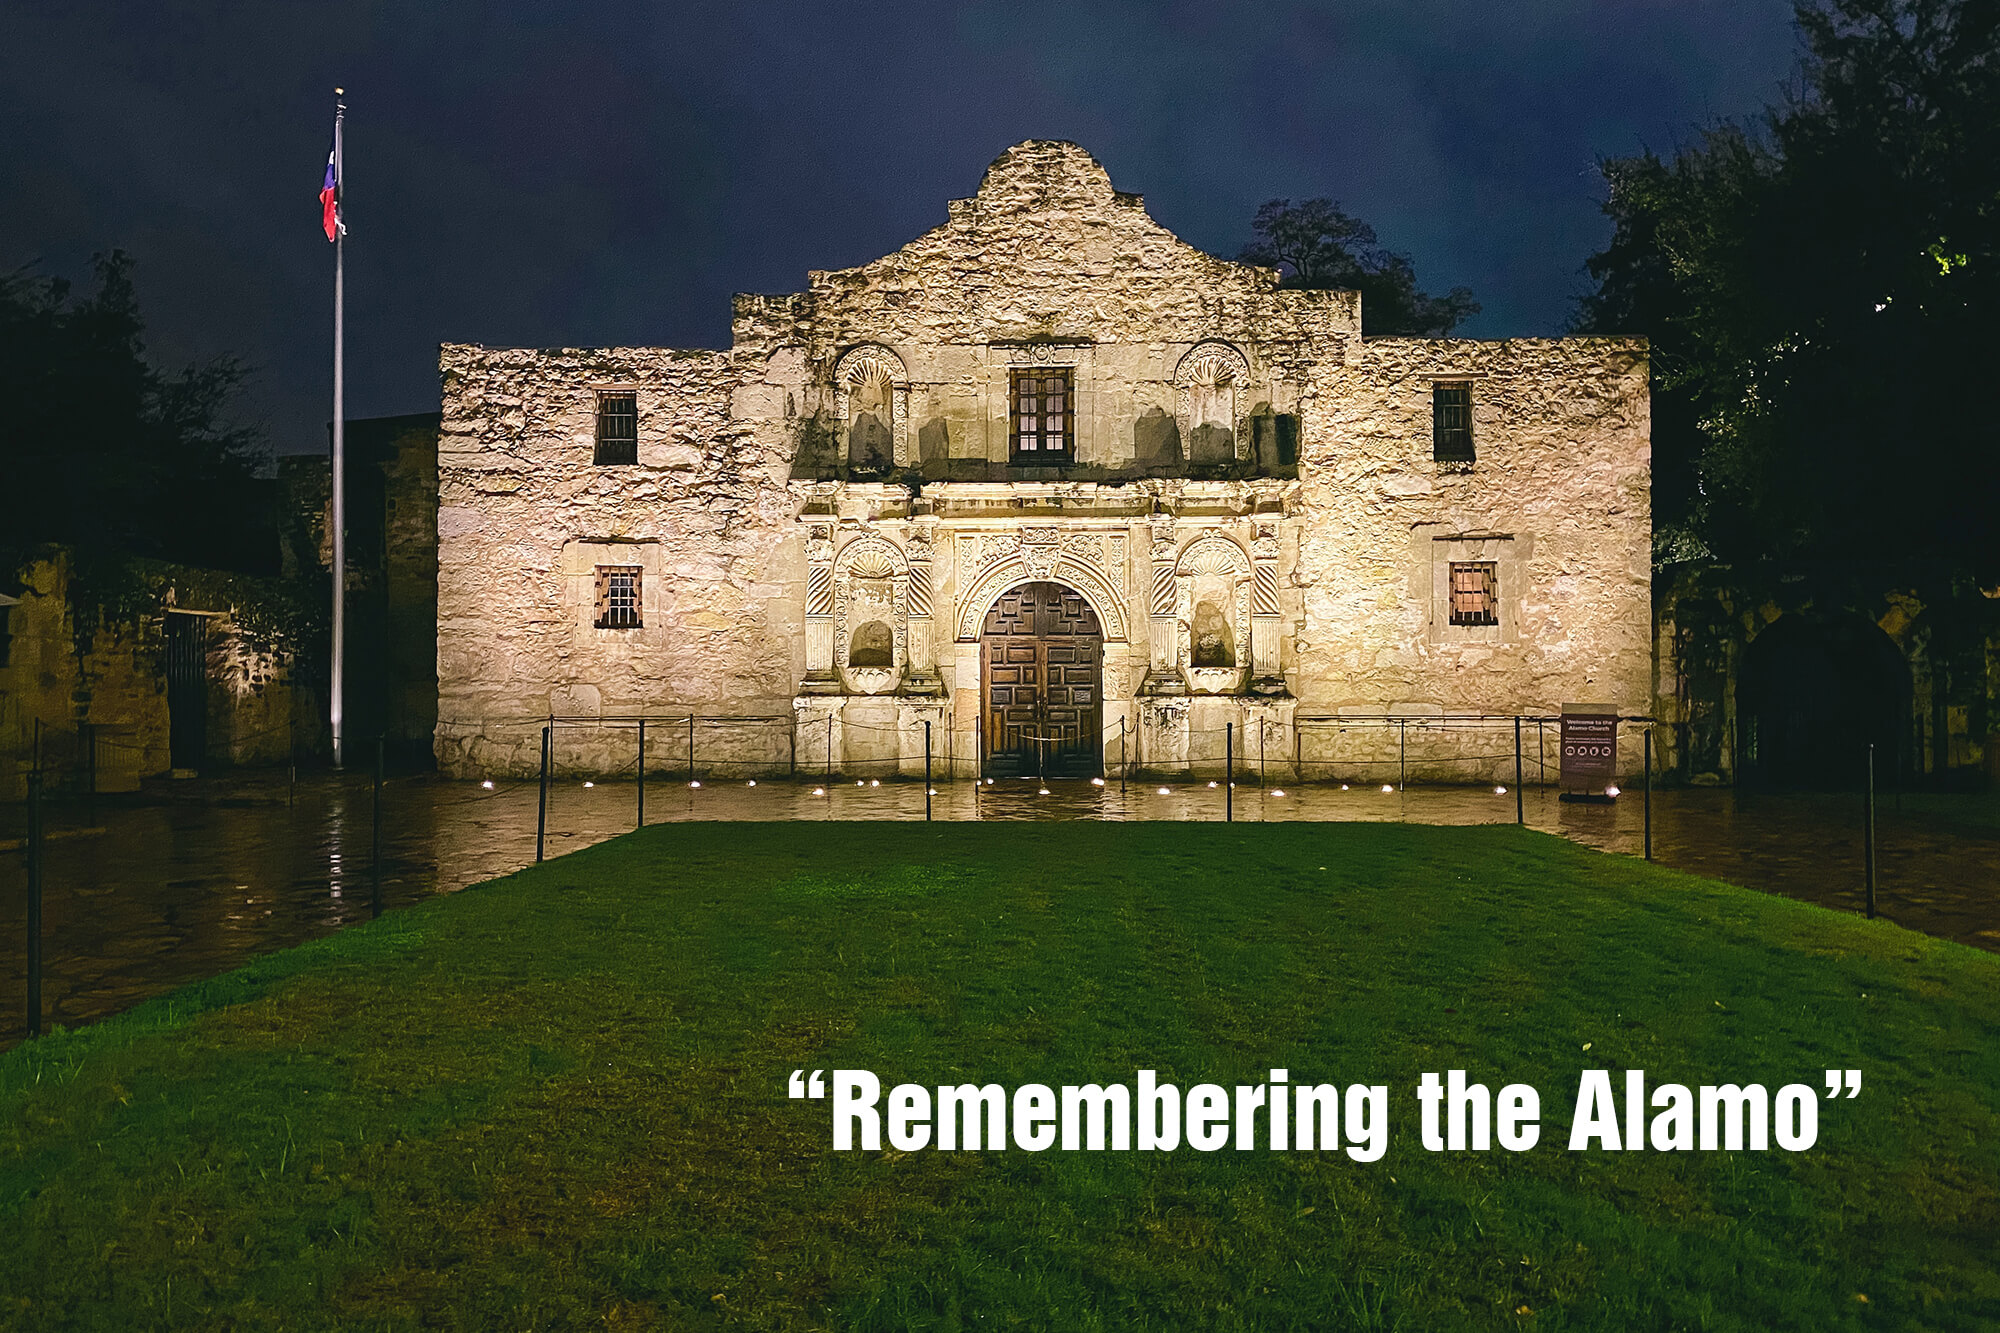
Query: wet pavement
162,891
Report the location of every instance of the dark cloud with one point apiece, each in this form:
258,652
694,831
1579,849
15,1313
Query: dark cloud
562,173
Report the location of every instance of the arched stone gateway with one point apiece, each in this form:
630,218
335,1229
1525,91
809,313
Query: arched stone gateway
1815,691
1041,660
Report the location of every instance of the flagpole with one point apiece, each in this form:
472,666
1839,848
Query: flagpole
339,431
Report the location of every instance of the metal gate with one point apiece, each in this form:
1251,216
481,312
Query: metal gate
187,689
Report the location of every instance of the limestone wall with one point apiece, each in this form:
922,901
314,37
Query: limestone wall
1559,498
524,516
101,697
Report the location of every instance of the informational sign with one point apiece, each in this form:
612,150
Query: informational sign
1589,749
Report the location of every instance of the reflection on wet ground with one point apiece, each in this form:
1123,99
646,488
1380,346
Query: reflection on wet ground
174,891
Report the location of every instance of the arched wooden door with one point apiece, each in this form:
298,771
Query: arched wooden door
1042,674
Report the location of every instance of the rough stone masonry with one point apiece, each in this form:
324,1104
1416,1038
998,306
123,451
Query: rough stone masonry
1072,492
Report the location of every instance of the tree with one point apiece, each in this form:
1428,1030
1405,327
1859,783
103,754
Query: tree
1313,243
1820,289
107,454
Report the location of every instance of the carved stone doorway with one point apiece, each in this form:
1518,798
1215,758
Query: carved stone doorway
1042,678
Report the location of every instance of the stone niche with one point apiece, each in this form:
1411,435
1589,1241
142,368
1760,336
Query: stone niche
1211,386
871,606
1212,605
871,403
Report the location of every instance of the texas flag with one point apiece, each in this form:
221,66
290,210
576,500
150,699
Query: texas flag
329,198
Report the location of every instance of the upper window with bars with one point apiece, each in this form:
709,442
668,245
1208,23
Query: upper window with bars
617,427
1043,415
1474,594
1451,421
619,604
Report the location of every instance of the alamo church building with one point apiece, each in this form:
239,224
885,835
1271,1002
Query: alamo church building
1058,484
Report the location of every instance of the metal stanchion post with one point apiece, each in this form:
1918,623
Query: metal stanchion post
1868,830
1229,772
927,770
642,773
542,803
1124,754
375,840
1649,792
1520,811
1402,755
690,747
35,903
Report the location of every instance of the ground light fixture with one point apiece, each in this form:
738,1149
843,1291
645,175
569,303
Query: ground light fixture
819,791
875,782
590,784
1165,792
1388,787
1343,786
1097,782
1045,791
488,784
694,784
1499,791
1610,791
1277,793
753,782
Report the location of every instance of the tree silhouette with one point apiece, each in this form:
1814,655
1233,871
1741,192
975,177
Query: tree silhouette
1313,243
107,454
1820,288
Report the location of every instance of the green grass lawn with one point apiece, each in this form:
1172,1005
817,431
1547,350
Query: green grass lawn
559,1100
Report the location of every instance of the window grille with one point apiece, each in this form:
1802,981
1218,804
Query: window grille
1451,421
1474,594
618,598
617,428
1044,415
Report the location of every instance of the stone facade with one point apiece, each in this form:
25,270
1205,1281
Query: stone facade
93,704
823,518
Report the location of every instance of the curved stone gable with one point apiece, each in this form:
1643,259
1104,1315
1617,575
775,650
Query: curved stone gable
1048,249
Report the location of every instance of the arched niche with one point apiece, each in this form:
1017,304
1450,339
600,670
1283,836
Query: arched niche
871,588
871,406
1211,400
1213,583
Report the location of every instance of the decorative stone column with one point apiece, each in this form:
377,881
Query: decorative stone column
920,675
1163,675
821,677
1267,676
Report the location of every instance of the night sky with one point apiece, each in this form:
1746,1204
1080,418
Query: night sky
564,173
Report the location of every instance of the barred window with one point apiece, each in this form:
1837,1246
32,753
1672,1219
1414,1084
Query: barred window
1474,593
617,428
618,597
1451,421
1044,415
